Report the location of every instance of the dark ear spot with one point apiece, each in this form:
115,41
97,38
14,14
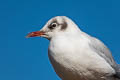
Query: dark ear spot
64,26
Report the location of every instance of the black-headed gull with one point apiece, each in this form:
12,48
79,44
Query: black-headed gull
76,55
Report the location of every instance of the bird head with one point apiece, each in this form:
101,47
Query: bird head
55,26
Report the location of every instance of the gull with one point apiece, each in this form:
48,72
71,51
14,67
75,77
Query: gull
74,54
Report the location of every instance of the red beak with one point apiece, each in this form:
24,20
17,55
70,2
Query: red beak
35,34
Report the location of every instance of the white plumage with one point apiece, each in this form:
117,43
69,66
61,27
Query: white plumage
75,55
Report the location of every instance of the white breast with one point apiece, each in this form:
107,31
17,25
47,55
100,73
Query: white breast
72,59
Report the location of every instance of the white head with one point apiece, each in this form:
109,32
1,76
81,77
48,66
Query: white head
55,26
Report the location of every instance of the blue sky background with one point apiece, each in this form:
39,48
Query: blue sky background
26,59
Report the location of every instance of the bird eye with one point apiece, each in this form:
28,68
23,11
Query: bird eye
53,25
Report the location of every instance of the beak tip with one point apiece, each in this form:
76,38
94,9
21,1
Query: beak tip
27,36
35,34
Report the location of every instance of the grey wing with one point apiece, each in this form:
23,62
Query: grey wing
104,52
